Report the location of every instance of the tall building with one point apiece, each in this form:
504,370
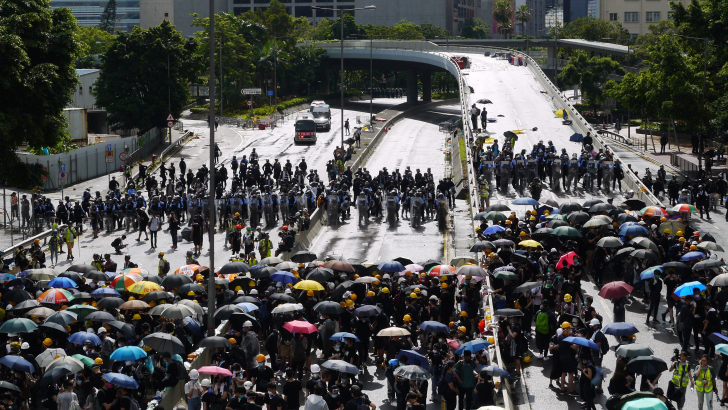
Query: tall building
574,9
88,12
449,15
636,15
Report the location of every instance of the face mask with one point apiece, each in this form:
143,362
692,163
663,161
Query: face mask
261,364
337,348
334,396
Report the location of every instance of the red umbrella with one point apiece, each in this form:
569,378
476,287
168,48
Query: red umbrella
454,344
566,260
214,370
298,326
615,290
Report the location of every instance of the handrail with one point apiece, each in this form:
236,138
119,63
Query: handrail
42,236
614,135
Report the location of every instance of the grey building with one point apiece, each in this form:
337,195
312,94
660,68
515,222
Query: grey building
447,14
88,12
574,9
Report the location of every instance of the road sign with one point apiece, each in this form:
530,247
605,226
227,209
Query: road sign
170,117
109,156
123,156
270,92
109,147
251,91
62,178
170,124
62,167
250,103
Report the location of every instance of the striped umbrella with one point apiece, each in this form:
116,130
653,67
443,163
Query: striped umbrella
122,282
685,208
188,270
653,211
135,271
441,270
55,296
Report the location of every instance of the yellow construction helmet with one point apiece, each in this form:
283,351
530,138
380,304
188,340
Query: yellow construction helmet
309,293
349,303
566,325
260,358
98,360
251,283
667,231
370,293
385,290
463,329
463,313
567,298
443,285
232,340
407,318
353,296
136,317
417,290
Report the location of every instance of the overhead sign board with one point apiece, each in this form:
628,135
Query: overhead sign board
251,91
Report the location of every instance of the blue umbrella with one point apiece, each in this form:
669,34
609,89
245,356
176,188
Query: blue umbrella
340,336
6,276
391,267
284,277
63,283
472,346
104,293
17,363
493,370
582,342
121,380
192,325
692,256
620,329
256,267
525,201
249,307
649,273
633,230
494,229
434,326
686,289
415,358
718,338
83,337
128,353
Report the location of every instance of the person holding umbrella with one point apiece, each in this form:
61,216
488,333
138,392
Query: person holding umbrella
567,358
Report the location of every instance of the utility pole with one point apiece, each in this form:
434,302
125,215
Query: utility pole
211,194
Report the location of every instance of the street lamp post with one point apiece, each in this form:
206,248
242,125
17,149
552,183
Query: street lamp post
211,194
629,117
371,72
275,66
705,74
341,17
169,95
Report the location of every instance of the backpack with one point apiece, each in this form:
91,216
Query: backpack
165,269
134,403
598,376
605,345
542,323
362,406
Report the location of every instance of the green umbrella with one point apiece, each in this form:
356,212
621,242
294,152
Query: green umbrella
20,325
81,310
566,231
504,274
496,216
634,350
87,361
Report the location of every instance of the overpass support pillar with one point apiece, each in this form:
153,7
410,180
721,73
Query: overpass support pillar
411,86
426,77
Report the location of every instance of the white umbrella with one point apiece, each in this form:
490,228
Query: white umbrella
76,365
393,331
192,305
49,355
287,307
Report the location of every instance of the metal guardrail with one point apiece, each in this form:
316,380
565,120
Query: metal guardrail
43,236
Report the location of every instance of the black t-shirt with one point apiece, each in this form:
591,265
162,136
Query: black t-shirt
291,391
274,401
237,403
356,402
125,403
208,397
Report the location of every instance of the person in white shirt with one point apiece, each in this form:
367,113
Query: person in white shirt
194,391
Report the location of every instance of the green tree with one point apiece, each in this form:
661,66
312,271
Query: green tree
590,73
350,27
108,17
593,29
503,15
523,16
93,42
430,31
647,40
324,30
38,47
405,30
475,28
133,83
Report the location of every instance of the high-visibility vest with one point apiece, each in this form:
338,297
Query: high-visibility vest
703,380
680,375
484,189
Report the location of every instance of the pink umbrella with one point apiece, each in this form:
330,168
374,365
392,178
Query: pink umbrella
414,268
566,260
454,344
298,326
214,370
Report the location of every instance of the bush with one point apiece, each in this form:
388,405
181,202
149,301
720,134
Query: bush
64,145
445,95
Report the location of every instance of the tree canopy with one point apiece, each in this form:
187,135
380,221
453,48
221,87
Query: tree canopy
590,73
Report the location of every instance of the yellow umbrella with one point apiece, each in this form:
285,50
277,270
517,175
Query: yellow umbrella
308,285
530,243
143,287
560,113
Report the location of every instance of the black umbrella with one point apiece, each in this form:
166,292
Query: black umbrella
570,207
367,311
497,207
429,264
100,316
53,327
282,297
709,264
186,234
63,318
526,287
244,317
156,295
124,329
481,246
404,261
304,257
19,282
234,267
248,299
321,275
214,342
601,207
644,254
578,217
708,237
511,135
633,204
81,297
555,223
504,242
190,287
164,342
154,278
175,281
26,305
622,253
81,268
76,276
96,275
646,365
508,312
588,204
622,218
9,386
109,303
338,293
222,282
542,233
226,311
54,374
263,272
522,259
16,295
328,307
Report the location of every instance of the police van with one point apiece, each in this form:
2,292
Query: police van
305,128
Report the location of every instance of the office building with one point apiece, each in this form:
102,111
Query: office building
574,9
88,12
636,16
